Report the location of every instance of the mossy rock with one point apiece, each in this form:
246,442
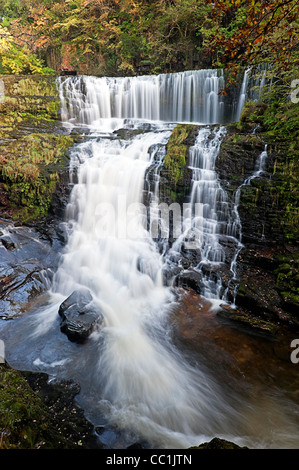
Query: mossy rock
38,414
248,321
176,175
253,112
30,171
217,444
34,96
23,418
176,157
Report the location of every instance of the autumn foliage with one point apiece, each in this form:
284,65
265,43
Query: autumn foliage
126,36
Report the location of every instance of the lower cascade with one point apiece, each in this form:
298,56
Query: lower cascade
133,377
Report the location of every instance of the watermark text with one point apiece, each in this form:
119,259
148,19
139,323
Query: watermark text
2,91
2,352
159,221
295,352
294,97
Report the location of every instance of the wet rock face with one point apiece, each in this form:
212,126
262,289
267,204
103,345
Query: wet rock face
175,177
267,266
27,263
79,317
270,255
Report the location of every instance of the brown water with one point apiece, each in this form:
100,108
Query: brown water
250,364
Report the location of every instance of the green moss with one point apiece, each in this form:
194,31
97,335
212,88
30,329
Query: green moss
278,122
29,172
27,97
23,418
177,151
175,161
287,279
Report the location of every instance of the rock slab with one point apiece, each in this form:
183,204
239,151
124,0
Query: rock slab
79,316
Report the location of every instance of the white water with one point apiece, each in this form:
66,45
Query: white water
131,374
181,97
259,169
141,383
252,86
209,212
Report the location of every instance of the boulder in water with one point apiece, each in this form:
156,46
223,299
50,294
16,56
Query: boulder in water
79,316
189,280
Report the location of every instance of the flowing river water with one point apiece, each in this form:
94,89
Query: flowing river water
161,368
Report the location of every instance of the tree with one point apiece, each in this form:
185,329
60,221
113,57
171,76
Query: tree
254,31
17,60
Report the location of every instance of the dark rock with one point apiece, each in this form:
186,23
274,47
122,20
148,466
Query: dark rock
61,196
265,206
7,242
217,443
254,323
139,445
65,73
189,279
237,159
67,422
28,260
79,316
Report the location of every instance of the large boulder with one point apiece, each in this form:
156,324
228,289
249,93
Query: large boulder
79,316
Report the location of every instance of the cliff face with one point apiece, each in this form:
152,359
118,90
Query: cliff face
267,265
268,208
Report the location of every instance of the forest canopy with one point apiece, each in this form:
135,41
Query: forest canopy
126,37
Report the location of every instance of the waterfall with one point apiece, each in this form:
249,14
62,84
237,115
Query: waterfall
243,93
252,87
181,97
209,217
136,384
138,379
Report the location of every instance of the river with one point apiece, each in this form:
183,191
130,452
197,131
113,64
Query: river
161,367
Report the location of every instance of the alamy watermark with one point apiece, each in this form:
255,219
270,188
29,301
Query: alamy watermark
2,352
295,353
2,91
294,97
159,221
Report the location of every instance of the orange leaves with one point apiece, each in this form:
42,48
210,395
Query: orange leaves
254,30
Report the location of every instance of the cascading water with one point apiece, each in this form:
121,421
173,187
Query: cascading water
252,86
182,97
131,375
207,226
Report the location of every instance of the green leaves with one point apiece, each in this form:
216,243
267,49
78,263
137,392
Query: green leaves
116,36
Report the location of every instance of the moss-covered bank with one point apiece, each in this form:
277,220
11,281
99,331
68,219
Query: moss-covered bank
23,418
28,96
33,147
35,414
